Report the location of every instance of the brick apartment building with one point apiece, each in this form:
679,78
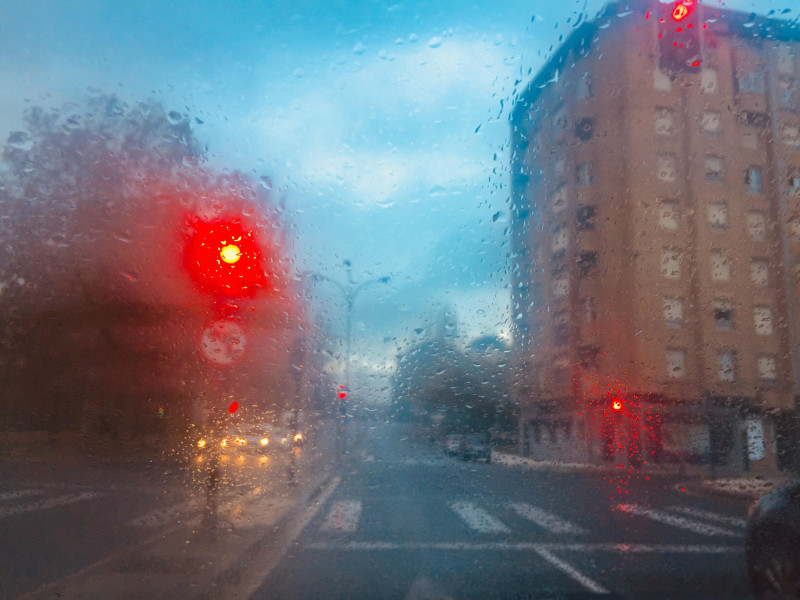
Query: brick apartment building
656,240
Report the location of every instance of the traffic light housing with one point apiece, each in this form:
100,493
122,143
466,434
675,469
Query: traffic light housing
679,32
223,257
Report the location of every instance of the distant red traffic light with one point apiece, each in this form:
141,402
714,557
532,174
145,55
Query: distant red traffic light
224,258
682,10
234,406
616,404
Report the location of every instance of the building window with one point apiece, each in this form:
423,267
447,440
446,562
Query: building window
762,320
752,177
718,216
560,329
584,173
560,240
663,121
708,81
723,315
584,129
561,285
750,81
676,363
710,122
794,183
585,87
767,368
793,227
726,366
759,272
668,215
560,199
586,217
673,312
785,60
589,309
713,168
666,166
790,135
720,266
661,81
670,263
788,93
586,263
756,225
559,163
750,137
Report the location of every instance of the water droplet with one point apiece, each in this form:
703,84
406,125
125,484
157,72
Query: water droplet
122,236
359,48
21,140
435,42
174,117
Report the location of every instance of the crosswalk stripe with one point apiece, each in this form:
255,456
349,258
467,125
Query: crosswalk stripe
343,516
19,494
545,519
676,521
710,516
45,504
478,519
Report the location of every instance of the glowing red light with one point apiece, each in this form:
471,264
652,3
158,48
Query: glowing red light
233,407
682,10
616,404
223,258
342,395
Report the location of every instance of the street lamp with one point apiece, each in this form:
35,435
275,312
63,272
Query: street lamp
350,290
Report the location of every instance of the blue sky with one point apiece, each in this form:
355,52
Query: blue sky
382,124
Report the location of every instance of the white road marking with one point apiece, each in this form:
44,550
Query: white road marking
544,519
478,519
343,516
19,494
710,516
564,567
46,504
623,548
675,521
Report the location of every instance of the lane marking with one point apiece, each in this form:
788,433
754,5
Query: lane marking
46,504
343,516
675,521
545,519
621,547
19,494
478,519
568,569
709,515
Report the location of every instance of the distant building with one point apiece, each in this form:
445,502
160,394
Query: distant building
656,240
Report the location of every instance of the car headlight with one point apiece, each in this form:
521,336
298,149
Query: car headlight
298,437
264,441
201,443
224,443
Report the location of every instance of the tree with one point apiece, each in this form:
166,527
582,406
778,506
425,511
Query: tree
99,321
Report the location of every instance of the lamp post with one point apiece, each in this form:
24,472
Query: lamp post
350,290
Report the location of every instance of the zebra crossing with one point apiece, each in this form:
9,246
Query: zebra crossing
31,500
343,516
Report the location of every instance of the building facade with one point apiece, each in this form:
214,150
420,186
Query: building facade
656,240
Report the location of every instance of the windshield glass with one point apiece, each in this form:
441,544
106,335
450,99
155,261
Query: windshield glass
399,300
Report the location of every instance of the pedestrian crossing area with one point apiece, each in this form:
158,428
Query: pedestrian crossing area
32,500
509,518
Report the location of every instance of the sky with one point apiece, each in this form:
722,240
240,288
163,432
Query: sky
383,126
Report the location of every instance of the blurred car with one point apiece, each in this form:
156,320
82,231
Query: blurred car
773,543
476,448
452,444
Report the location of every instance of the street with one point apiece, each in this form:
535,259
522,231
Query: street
393,518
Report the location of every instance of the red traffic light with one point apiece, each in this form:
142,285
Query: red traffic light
223,258
682,10
234,406
616,404
342,395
